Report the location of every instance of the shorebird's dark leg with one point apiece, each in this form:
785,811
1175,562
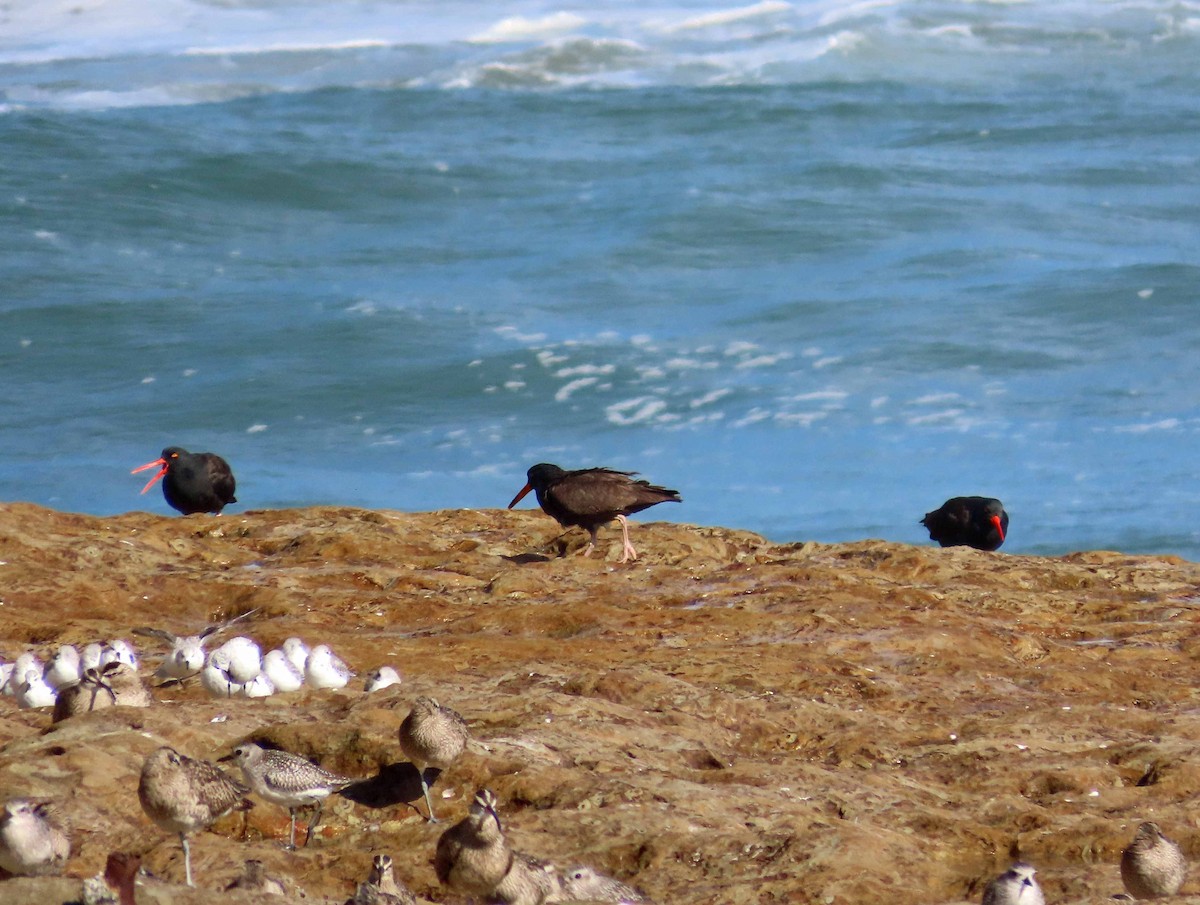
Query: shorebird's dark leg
312,824
628,554
592,532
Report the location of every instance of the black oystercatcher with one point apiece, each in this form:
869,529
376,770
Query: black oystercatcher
968,521
591,497
194,482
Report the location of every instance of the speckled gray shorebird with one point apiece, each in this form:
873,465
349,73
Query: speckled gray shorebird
381,886
182,795
432,736
586,885
529,881
1152,866
31,843
288,780
1016,886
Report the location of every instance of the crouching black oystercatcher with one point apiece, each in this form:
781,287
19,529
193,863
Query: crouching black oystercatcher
192,482
968,521
591,497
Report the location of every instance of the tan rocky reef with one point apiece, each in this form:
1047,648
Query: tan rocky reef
727,720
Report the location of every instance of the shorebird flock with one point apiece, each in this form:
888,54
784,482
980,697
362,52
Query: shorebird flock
184,795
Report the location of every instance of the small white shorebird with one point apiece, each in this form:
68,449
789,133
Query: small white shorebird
282,672
296,651
245,658
187,655
288,780
1016,886
33,692
64,669
381,677
324,669
215,676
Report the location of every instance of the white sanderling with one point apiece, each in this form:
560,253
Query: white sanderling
6,671
245,658
432,736
31,844
382,677
324,669
282,673
258,687
25,662
288,780
297,652
1016,886
183,795
118,651
33,692
63,669
215,676
90,656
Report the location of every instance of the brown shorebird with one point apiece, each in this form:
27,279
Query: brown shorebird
288,780
104,686
381,886
432,736
1152,866
586,885
182,795
1016,886
591,497
31,842
474,858
968,521
192,482
255,878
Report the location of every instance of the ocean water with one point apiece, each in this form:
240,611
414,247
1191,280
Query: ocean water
819,265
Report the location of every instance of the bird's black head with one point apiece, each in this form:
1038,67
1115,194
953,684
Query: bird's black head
171,453
543,475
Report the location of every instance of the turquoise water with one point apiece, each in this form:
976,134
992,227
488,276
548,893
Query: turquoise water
818,266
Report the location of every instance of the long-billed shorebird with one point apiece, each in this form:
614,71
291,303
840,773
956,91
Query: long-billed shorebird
432,736
183,794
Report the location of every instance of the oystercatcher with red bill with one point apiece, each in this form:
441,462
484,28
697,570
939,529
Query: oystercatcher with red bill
192,482
591,497
968,521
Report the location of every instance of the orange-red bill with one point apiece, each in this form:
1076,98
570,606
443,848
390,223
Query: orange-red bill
521,495
995,520
157,462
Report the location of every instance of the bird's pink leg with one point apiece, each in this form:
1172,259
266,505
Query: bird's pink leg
628,554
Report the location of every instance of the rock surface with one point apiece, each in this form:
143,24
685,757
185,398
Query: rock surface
726,720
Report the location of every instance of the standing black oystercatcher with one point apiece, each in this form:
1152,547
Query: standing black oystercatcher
193,482
591,497
968,521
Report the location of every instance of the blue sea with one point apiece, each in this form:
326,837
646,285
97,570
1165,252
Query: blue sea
817,265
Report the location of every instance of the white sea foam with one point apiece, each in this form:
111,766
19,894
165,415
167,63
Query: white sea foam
518,28
565,391
734,14
1166,424
710,397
